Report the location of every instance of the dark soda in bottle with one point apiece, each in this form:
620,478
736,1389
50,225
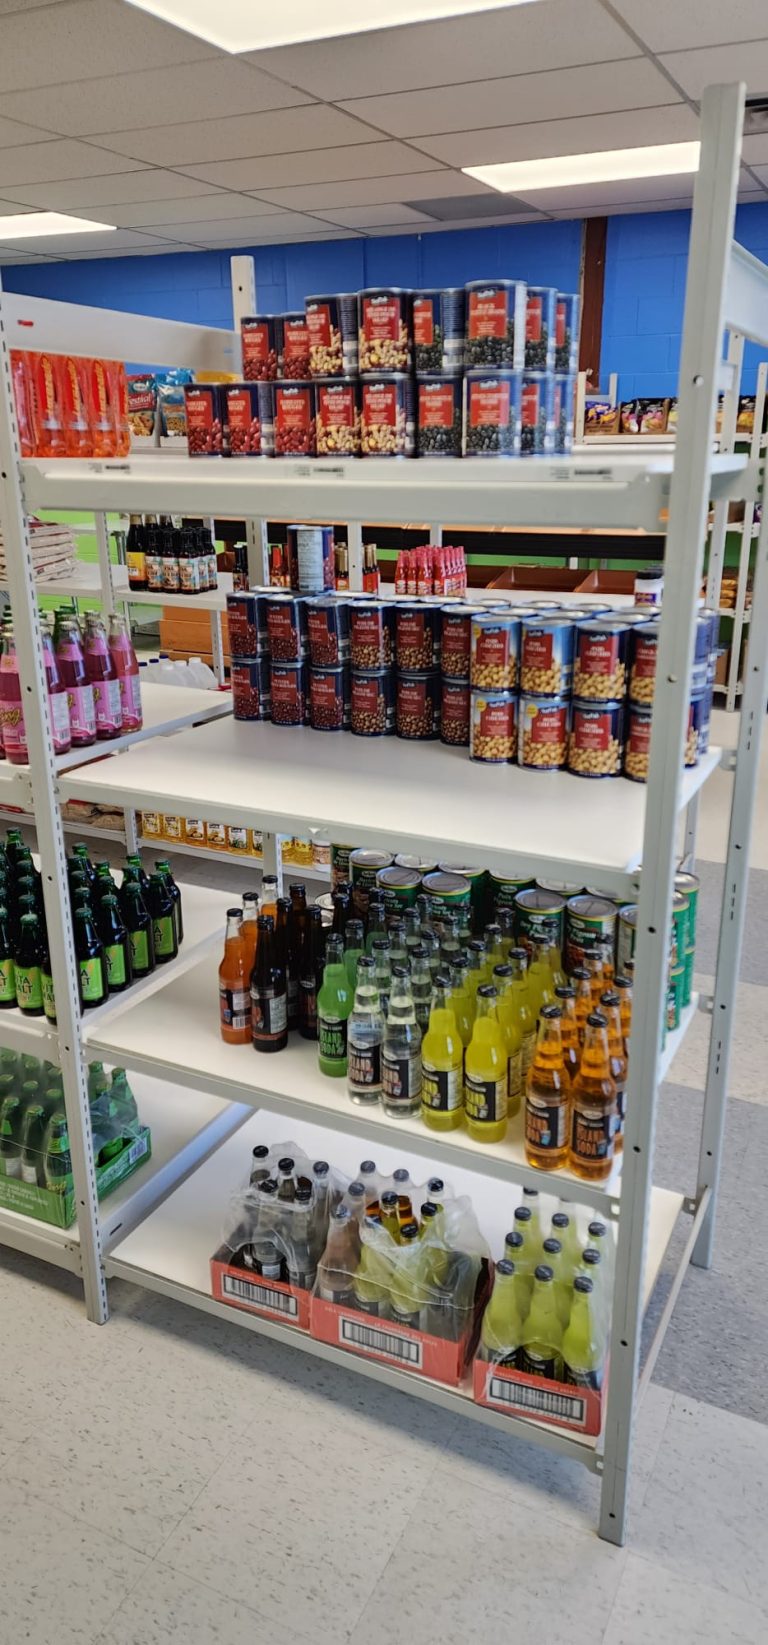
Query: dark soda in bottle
92,966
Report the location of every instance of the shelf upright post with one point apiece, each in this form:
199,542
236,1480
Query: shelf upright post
355,553
716,560
708,263
23,591
257,539
106,583
755,448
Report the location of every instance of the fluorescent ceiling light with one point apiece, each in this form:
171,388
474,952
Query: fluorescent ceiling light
251,25
31,225
606,166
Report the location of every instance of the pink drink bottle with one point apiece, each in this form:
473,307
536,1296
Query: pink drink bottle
102,674
14,733
127,669
69,656
57,699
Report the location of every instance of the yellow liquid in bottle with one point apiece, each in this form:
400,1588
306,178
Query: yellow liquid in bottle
547,1099
509,1024
485,1076
442,1059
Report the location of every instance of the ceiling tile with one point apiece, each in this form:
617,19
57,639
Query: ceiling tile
443,228
13,133
123,241
475,208
517,41
621,211
689,22
755,149
49,45
157,214
386,216
539,139
281,131
7,6
601,88
285,239
635,189
240,228
375,191
157,97
374,159
102,191
159,248
58,160
9,256
713,65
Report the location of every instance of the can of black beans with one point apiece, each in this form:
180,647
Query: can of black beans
536,414
492,409
540,328
438,331
495,324
438,416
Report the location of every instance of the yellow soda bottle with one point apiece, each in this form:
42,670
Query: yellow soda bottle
519,989
485,1073
584,1340
513,1036
623,987
556,966
460,1001
502,1328
506,922
610,1006
541,983
541,1347
476,976
554,1256
518,1251
593,1115
442,1062
494,949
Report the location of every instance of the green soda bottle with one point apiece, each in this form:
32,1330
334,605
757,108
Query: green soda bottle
33,1146
104,878
14,846
134,862
11,1114
163,867
80,855
501,1332
554,1257
7,970
28,961
46,983
117,948
162,908
123,1100
354,947
140,930
509,1023
541,1344
583,1341
57,1161
334,1003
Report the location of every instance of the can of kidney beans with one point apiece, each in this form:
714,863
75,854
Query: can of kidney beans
327,632
287,628
249,420
456,635
337,417
371,633
259,342
595,746
288,684
454,723
438,416
495,324
540,328
250,681
204,406
312,546
563,404
332,326
537,435
418,630
247,624
567,317
492,414
294,419
418,706
292,336
372,709
438,331
329,698
385,330
387,425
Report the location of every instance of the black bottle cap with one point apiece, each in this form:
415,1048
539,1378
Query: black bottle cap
402,1174
502,971
591,1257
286,1164
515,1239
530,1193
544,1273
388,1201
321,1168
552,1247
356,1190
429,1209
564,991
367,1167
610,997
596,1019
523,1213
550,1012
486,991
505,1267
261,1151
436,1185
598,1230
583,1284
560,1220
409,1231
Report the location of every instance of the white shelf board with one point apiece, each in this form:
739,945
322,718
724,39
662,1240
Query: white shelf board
404,796
15,786
593,490
165,708
170,1252
238,859
59,1246
176,1033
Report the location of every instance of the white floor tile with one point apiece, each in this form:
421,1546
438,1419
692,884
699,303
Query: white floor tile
703,1516
168,1609
60,1578
654,1604
467,1571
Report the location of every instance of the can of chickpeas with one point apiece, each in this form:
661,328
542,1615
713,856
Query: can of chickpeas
637,748
493,727
644,648
494,648
388,427
543,725
600,659
595,746
546,655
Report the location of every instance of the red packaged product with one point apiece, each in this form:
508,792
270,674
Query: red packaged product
293,345
401,572
204,422
22,395
45,378
101,409
118,385
77,428
259,344
294,420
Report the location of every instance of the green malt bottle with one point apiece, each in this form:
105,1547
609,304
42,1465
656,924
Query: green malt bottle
139,927
162,909
7,970
28,960
58,1159
92,966
117,948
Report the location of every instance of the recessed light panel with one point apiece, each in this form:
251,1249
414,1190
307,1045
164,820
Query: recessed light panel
251,25
35,225
605,166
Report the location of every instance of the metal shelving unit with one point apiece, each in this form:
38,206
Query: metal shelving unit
421,801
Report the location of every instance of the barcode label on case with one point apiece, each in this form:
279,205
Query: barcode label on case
376,1341
261,1296
540,1401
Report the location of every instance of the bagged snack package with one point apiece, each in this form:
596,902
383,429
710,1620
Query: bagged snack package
118,392
22,394
77,429
171,403
142,405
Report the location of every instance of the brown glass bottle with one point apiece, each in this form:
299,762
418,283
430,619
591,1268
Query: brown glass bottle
311,952
610,1006
269,994
548,1097
286,957
565,997
623,986
598,981
593,1114
580,982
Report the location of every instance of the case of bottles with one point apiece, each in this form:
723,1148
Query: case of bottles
275,1234
395,1289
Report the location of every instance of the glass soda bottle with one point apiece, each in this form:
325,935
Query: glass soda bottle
518,959
517,1249
57,697
476,974
334,1004
269,889
14,731
513,1036
91,962
365,1035
583,1340
136,553
285,948
117,949
7,970
235,984
553,1255
459,1000
57,1159
610,1008
565,997
269,993
541,983
28,960
249,930
371,1284
401,1056
442,1062
101,672
541,1348
502,1329
138,924
126,669
494,949
33,1145
354,947
311,953
162,866
379,953
593,1118
581,984
421,984
547,1097
565,1228
72,669
162,909
623,987
485,1072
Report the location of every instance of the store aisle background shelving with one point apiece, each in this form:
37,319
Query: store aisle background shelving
252,1494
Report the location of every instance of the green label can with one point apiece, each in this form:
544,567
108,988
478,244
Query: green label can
402,860
504,891
689,961
688,885
446,891
340,855
626,937
590,931
679,938
675,997
399,888
539,917
478,882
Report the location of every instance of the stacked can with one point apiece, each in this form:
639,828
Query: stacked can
643,654
329,674
372,656
596,743
455,670
494,678
520,358
249,650
418,687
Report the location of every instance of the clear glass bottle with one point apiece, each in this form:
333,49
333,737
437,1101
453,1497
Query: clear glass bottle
460,1000
354,946
398,953
518,959
365,1037
421,985
382,971
402,1050
412,922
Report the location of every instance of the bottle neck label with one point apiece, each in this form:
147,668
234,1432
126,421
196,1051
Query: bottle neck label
401,1078
592,1132
92,981
332,1033
269,1015
441,1089
545,1122
486,1100
364,1066
7,981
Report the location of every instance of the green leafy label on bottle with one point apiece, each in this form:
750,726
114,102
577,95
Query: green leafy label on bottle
29,992
49,997
7,980
163,929
115,957
91,981
139,951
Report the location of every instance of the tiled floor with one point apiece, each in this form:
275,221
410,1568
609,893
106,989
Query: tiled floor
171,1478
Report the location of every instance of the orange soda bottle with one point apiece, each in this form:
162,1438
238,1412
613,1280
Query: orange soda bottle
593,1114
235,984
548,1097
565,997
623,986
597,980
610,1006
